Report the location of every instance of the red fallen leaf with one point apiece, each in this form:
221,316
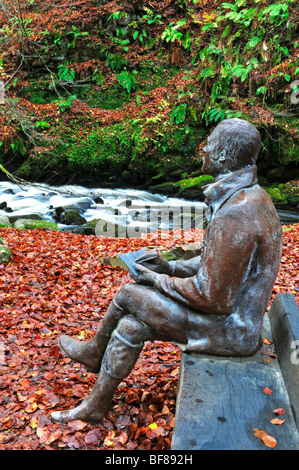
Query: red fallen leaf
268,440
165,410
122,438
74,441
76,425
31,408
268,391
54,351
108,439
43,434
5,438
91,438
20,397
123,421
279,411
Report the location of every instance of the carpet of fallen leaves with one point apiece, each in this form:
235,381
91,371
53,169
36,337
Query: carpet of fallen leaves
56,284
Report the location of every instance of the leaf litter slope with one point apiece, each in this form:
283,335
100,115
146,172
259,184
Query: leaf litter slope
56,284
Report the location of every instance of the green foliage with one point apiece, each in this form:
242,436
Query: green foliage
43,125
65,73
150,17
285,193
173,34
116,61
63,105
105,149
243,72
18,146
213,115
223,59
127,80
178,115
277,13
76,33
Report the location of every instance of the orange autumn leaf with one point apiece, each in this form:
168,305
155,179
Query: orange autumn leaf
277,421
267,341
268,440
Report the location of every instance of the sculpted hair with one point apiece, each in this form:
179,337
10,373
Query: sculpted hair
241,141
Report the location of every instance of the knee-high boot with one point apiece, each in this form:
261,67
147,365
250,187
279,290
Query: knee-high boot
90,353
118,361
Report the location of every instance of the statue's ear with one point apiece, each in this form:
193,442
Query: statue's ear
222,156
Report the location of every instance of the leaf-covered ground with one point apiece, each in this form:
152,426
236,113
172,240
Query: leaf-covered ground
55,284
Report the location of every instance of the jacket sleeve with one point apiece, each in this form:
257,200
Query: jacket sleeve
185,268
224,263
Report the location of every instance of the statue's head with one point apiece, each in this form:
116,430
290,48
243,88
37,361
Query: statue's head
234,144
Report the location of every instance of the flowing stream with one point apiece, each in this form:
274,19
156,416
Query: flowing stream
120,207
127,207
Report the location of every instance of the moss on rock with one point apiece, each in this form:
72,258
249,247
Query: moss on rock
191,188
287,193
25,224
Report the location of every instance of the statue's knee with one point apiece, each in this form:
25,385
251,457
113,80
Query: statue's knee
125,294
131,328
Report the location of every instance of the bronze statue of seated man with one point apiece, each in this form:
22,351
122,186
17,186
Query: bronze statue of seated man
211,304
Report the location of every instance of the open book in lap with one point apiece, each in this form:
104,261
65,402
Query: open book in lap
137,257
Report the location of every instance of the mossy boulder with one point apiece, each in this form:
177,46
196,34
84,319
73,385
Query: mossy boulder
4,221
167,189
72,217
187,188
191,188
287,193
89,228
28,224
14,218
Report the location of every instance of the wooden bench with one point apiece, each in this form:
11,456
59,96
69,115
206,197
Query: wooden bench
221,401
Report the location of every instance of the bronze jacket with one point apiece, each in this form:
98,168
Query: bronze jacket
231,285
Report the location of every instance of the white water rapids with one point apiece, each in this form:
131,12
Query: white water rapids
123,207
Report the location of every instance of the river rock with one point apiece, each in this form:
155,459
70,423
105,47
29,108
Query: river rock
14,218
28,224
4,221
98,200
72,217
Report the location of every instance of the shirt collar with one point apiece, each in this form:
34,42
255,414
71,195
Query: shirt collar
217,193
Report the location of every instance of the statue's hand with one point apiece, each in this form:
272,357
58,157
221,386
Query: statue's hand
144,276
154,262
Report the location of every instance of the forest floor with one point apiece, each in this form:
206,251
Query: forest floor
55,284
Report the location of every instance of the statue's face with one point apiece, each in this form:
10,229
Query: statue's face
210,164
